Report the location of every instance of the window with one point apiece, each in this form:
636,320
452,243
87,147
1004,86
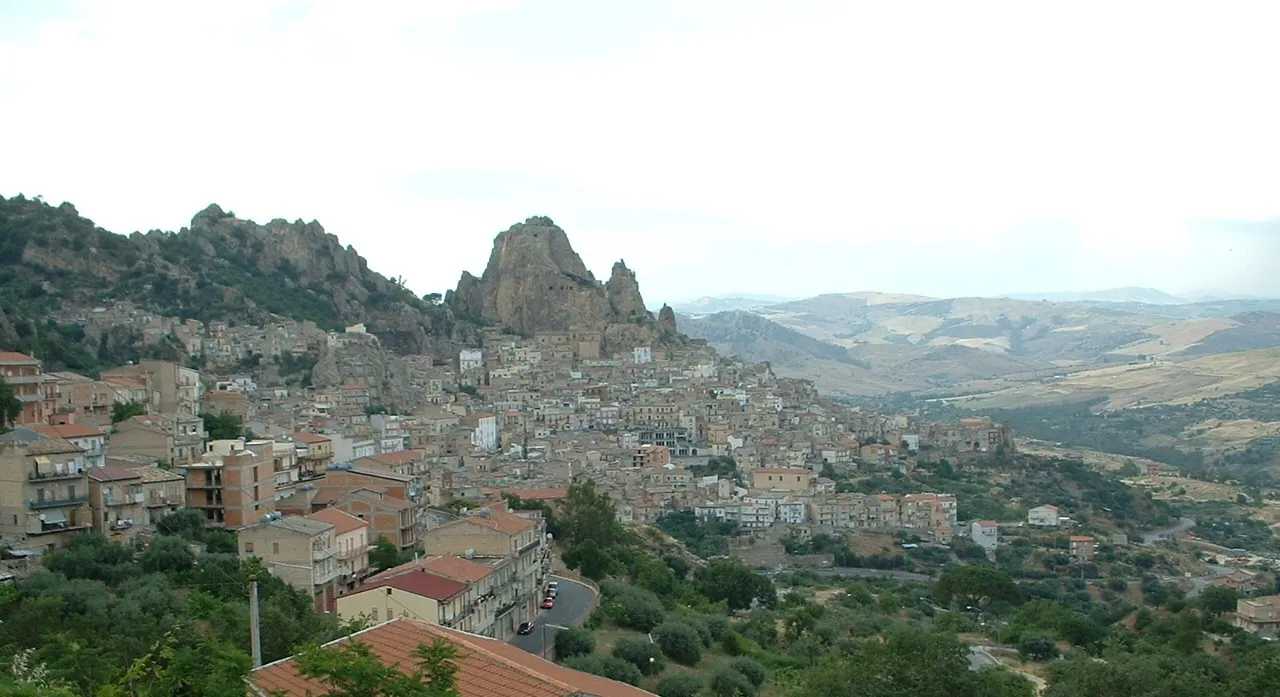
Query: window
375,614
248,548
391,614
275,547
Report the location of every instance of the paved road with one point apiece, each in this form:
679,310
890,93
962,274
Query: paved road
1183,525
571,609
979,658
851,572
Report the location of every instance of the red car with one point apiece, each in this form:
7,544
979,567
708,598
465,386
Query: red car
548,603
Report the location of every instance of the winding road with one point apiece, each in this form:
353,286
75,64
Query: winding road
1183,525
570,610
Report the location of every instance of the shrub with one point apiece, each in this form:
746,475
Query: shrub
640,653
638,610
730,683
733,643
573,642
717,624
1037,647
679,685
750,669
704,634
606,666
680,642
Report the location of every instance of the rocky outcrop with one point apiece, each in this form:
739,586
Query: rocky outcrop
220,268
625,303
534,281
667,318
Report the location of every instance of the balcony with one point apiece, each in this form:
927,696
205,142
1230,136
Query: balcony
353,553
23,379
320,554
38,476
38,504
322,576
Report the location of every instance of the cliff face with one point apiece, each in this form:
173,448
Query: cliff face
534,281
220,268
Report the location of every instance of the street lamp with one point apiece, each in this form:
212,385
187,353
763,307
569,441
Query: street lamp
544,636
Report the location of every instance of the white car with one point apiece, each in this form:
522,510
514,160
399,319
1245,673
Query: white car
553,589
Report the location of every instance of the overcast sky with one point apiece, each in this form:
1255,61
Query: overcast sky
787,148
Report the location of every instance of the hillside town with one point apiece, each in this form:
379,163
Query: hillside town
321,473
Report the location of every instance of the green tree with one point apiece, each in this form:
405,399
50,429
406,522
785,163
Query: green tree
223,425
606,666
587,514
589,558
679,685
750,668
354,670
573,641
727,682
1037,647
1215,600
165,554
976,586
640,653
384,555
121,411
10,405
731,581
680,642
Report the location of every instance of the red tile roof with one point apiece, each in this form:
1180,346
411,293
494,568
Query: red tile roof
341,521
419,582
68,431
15,357
456,568
111,474
304,437
500,521
486,667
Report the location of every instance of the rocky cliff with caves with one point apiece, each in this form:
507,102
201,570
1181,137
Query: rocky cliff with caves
535,282
220,268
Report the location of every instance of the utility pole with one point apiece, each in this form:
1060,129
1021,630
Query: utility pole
255,631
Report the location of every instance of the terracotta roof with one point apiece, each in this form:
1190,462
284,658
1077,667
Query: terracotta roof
304,437
486,667
499,521
783,470
69,431
399,457
541,494
420,582
111,474
390,476
52,446
15,357
151,474
341,521
456,568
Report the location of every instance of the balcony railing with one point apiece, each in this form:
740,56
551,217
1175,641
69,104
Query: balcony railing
37,476
353,553
323,553
23,379
321,577
36,504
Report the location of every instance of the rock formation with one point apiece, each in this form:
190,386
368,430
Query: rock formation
536,282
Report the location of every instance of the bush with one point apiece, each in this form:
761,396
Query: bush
640,653
717,624
750,669
638,609
680,642
733,643
606,666
730,683
573,642
679,685
1037,647
704,633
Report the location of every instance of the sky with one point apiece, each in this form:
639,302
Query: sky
719,147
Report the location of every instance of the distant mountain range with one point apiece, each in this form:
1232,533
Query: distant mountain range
902,343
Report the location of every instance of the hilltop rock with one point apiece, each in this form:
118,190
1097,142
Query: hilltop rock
667,318
220,268
534,281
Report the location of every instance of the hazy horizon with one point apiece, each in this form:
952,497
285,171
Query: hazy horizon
814,147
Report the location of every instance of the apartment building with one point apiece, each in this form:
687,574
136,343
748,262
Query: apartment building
116,498
1081,548
419,595
315,454
91,439
23,373
178,440
299,551
497,533
351,534
986,534
793,479
389,516
1260,615
233,485
164,492
44,489
650,456
173,388
1045,516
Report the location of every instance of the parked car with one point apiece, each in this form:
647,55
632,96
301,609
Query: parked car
525,628
548,603
553,589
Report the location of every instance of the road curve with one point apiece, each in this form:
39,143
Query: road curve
1183,525
570,610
